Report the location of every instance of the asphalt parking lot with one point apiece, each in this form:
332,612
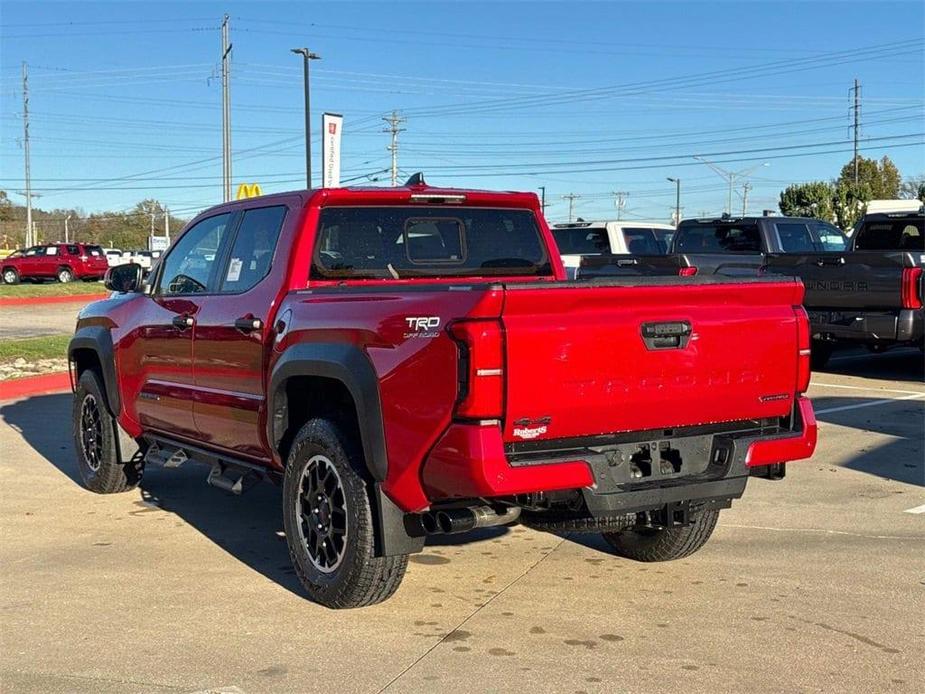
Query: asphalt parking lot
38,320
815,583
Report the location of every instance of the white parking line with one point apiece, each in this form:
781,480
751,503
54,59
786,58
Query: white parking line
917,509
873,403
868,388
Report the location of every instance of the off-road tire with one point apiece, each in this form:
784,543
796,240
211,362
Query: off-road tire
819,354
359,578
65,275
666,544
10,276
98,461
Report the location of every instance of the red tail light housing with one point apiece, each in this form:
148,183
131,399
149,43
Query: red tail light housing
804,345
687,272
480,368
911,289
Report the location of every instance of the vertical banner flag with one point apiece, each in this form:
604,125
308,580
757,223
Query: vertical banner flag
331,126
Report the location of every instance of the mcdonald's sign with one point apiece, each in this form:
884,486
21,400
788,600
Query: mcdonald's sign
248,190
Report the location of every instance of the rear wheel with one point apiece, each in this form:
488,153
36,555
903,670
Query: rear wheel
10,276
819,354
664,544
65,275
95,432
329,522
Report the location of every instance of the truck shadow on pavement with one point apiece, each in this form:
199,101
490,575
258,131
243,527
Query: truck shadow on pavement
905,364
249,528
902,458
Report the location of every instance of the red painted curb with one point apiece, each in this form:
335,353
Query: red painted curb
16,388
34,300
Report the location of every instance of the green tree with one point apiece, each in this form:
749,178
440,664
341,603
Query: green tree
813,199
914,188
881,179
849,202
6,207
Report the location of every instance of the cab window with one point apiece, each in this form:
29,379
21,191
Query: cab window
794,237
829,237
254,245
191,263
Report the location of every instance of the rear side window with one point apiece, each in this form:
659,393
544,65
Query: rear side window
73,250
95,251
794,237
829,237
582,241
399,242
643,241
254,245
719,238
891,235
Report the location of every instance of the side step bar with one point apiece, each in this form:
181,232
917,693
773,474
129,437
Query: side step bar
231,475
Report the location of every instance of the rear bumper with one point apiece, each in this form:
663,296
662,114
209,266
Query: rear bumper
470,461
899,325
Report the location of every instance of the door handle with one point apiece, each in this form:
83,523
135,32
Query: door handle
183,322
248,325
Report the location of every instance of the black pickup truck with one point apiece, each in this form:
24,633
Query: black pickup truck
866,289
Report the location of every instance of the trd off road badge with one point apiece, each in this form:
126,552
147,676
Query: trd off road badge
528,429
422,326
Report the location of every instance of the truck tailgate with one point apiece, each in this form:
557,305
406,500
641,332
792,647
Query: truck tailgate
591,358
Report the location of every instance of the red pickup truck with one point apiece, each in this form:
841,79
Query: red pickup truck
411,361
62,261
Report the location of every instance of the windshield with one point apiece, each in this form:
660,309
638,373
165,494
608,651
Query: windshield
906,234
585,241
398,242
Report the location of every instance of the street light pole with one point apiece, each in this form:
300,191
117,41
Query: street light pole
307,56
677,199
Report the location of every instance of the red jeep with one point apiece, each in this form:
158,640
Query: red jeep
62,261
411,361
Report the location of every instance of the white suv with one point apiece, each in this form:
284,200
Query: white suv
577,239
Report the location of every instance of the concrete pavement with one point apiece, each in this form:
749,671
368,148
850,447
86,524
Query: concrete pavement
815,583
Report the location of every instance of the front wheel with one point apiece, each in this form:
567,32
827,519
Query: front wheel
95,432
329,522
10,276
65,275
664,544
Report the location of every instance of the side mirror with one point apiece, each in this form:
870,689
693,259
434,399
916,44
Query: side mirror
124,278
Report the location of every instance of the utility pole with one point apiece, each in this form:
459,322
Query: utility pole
25,144
677,199
571,197
394,121
66,239
730,177
620,202
745,188
167,224
226,111
857,124
543,199
307,56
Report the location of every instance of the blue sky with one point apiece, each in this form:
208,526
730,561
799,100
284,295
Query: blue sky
585,98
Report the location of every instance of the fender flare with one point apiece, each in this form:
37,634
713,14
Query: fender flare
98,339
341,362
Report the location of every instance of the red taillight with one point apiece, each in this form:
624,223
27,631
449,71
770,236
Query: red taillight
804,347
912,278
481,368
687,272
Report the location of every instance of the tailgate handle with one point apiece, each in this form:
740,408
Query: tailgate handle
830,261
666,335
